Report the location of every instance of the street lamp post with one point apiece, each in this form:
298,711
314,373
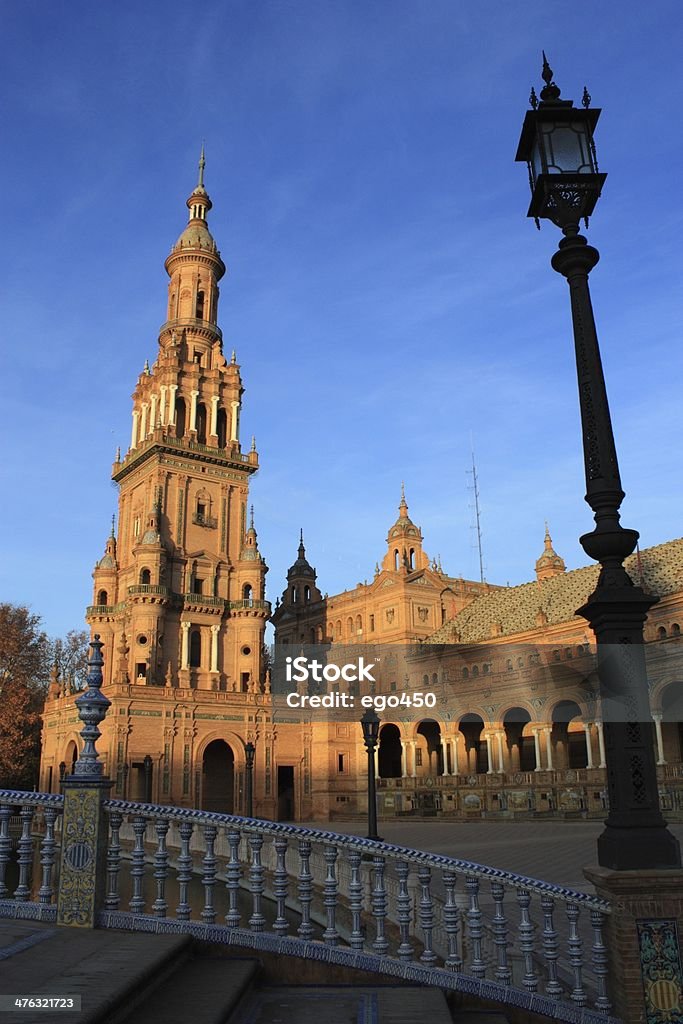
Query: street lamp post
370,726
557,145
147,765
249,754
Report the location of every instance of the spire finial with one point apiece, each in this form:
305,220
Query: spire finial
550,93
202,164
145,368
113,520
403,506
253,442
118,453
301,535
251,518
233,358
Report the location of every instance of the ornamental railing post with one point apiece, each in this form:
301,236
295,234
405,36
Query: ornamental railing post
82,876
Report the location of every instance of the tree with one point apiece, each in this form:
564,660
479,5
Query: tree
24,670
70,656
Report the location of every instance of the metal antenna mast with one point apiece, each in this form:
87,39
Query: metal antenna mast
477,527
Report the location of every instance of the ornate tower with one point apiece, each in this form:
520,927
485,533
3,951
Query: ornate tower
404,542
179,595
550,563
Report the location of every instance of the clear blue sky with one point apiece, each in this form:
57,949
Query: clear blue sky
385,293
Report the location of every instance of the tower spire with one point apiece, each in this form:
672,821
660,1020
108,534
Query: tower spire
202,164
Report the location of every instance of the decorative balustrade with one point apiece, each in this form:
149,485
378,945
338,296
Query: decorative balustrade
343,899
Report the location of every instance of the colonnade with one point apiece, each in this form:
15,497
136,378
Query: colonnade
161,411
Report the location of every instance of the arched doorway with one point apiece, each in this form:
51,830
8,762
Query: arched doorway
432,734
70,757
521,748
568,736
389,756
471,726
218,777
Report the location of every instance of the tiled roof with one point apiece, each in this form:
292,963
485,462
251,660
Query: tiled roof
514,610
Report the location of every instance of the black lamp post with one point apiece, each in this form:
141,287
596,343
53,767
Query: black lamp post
370,725
557,144
62,772
147,766
249,754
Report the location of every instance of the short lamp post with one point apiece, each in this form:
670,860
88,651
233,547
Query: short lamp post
370,725
62,772
147,766
249,755
557,145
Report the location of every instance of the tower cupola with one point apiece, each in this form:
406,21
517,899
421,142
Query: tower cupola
549,564
404,542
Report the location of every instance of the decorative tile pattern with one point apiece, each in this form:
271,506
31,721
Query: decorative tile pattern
660,962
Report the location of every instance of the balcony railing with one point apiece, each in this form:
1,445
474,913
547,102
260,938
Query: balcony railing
201,519
249,603
149,588
376,906
216,602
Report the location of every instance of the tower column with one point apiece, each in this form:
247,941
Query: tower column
489,753
193,409
537,751
660,743
456,759
134,433
185,645
548,747
499,740
213,428
162,404
233,421
601,743
589,747
172,388
143,422
404,759
153,415
215,630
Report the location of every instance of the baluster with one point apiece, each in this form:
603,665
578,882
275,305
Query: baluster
233,874
450,921
137,871
405,950
330,935
526,940
575,944
599,961
305,880
428,956
500,930
280,885
379,906
47,855
550,945
257,921
356,937
5,846
25,850
183,910
476,931
208,914
112,899
160,906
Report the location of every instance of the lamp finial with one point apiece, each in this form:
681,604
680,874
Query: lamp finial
550,93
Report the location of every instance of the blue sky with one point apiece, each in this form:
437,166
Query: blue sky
387,298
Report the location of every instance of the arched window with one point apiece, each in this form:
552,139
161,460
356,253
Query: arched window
103,597
411,558
425,680
199,309
396,559
359,624
247,592
180,417
661,633
294,595
195,649
509,664
145,577
675,628
338,629
222,428
307,593
201,423
475,671
465,673
349,626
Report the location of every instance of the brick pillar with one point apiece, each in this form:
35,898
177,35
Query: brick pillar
643,935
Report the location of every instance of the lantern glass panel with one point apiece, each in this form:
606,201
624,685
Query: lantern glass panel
566,148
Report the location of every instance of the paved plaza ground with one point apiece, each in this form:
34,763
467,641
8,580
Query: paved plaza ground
553,851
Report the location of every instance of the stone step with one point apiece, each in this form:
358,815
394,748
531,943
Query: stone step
107,969
347,1004
204,990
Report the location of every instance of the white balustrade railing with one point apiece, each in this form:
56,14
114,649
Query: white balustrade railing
293,889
